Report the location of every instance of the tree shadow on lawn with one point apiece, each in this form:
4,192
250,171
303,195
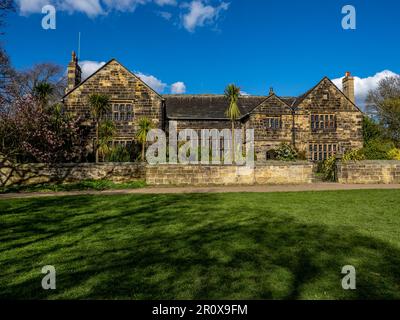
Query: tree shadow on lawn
184,247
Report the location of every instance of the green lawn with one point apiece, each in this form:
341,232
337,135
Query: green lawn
202,246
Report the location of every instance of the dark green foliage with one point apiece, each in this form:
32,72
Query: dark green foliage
118,154
378,150
371,130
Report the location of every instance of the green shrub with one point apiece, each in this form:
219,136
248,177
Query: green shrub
354,155
118,154
328,169
377,150
394,154
285,152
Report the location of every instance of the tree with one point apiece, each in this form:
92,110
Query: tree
99,107
43,73
232,93
385,103
145,125
42,92
6,6
106,133
28,135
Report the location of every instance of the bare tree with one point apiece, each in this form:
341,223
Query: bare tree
6,6
50,73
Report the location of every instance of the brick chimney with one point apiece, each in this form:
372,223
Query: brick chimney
348,86
74,73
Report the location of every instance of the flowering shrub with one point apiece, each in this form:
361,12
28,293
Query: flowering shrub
29,134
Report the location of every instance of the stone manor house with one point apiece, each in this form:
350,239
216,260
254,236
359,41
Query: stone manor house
320,123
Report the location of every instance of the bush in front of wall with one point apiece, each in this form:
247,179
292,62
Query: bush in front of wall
378,150
285,152
328,169
394,154
118,153
354,155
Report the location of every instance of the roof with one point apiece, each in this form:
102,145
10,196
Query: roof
206,107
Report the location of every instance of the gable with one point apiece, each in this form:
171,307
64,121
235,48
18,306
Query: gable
272,105
116,81
326,96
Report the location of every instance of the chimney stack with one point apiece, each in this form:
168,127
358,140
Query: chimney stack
74,73
271,91
348,86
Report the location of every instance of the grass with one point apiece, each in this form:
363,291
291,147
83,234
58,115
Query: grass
98,185
202,246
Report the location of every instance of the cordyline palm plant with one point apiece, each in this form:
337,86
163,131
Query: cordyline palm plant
106,133
99,107
145,125
42,93
232,93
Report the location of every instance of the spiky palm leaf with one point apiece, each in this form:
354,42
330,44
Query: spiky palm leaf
145,125
232,93
42,91
99,106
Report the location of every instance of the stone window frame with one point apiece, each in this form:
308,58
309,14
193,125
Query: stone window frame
327,124
320,151
273,123
121,109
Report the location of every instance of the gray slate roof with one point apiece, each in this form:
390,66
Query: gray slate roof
206,107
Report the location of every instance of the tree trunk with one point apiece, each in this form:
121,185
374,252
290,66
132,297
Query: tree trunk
233,143
143,147
293,130
97,142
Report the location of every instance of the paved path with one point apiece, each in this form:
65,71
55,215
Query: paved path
221,189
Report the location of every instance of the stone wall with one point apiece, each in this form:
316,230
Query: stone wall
274,173
362,172
31,174
373,172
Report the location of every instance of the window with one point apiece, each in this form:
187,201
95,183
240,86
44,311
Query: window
273,123
320,152
324,122
121,112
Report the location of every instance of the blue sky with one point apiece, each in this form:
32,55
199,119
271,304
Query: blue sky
206,44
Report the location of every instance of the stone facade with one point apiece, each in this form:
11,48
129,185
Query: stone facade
369,172
124,90
322,122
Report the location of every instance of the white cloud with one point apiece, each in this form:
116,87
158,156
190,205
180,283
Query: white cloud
90,67
166,2
364,85
200,14
178,88
244,93
30,6
166,15
152,81
92,8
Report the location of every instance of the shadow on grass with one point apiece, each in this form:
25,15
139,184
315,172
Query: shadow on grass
184,247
